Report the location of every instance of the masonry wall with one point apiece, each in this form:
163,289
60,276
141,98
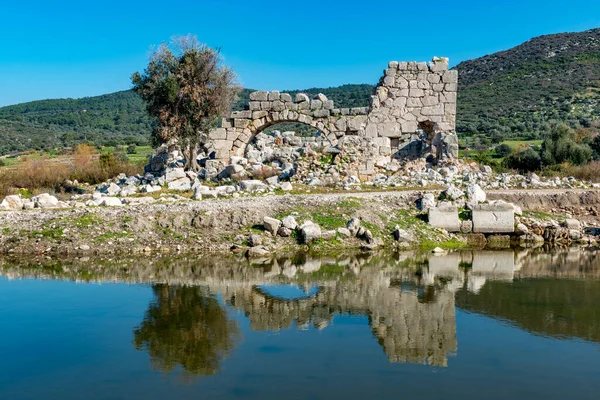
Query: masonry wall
412,114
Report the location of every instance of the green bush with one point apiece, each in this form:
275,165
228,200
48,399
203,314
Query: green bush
524,160
503,150
560,147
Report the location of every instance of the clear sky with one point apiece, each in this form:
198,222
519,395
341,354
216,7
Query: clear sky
68,48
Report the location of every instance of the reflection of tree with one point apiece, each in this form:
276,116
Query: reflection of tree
188,327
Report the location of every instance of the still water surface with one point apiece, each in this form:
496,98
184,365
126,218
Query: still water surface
466,325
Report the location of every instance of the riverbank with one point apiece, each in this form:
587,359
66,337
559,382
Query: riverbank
213,226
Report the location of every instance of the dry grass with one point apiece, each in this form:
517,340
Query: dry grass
49,175
588,172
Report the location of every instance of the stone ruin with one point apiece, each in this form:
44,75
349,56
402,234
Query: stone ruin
412,115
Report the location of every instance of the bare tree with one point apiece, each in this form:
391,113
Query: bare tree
187,89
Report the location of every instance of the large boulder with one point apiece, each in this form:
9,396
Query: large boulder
475,194
309,232
181,185
271,225
427,202
289,222
174,174
353,226
46,200
111,202
253,185
12,203
453,193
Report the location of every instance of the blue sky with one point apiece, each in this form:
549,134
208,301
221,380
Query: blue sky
67,48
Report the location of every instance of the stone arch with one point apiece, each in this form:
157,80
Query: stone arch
409,94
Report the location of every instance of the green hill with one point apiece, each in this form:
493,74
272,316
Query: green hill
524,91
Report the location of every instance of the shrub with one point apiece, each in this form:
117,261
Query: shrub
561,146
131,149
524,160
503,150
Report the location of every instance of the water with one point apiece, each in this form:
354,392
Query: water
491,325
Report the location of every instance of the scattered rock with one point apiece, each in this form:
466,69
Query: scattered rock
271,225
309,232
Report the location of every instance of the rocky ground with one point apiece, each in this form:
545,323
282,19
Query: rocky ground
254,224
291,192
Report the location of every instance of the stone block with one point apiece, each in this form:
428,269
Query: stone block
389,129
301,97
414,102
409,127
433,110
416,93
259,96
493,218
445,218
254,105
222,144
274,95
316,104
285,97
450,76
219,133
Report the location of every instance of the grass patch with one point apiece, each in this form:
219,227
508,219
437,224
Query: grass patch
87,221
111,235
48,233
451,244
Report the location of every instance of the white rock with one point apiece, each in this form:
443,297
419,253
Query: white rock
290,222
111,202
12,203
475,194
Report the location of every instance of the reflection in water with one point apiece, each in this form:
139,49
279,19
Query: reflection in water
409,298
187,327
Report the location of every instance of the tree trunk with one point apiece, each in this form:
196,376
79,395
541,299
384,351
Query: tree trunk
191,157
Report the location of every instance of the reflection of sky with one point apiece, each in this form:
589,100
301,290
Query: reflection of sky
289,292
60,340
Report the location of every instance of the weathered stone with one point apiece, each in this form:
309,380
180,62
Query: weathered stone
353,226
12,203
290,222
400,235
466,226
571,223
444,218
253,186
427,202
174,174
259,96
475,194
182,185
493,219
111,202
271,225
309,232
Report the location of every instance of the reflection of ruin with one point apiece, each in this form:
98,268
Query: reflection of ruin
408,328
408,297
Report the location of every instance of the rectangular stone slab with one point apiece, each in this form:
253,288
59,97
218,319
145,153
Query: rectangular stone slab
493,219
445,218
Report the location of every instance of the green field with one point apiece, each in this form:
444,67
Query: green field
142,153
522,143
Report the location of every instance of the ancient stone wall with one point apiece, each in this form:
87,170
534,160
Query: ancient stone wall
412,114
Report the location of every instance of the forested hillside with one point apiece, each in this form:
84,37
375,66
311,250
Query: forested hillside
524,91
117,118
